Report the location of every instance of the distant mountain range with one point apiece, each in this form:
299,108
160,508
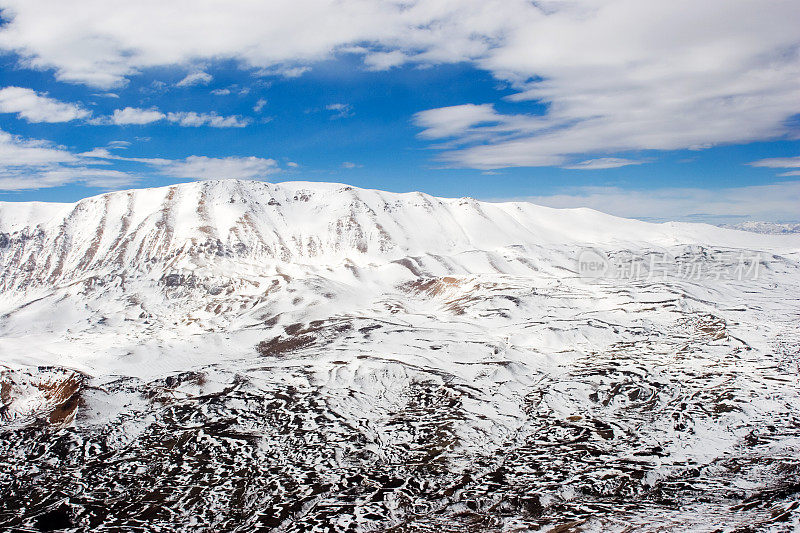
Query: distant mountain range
765,227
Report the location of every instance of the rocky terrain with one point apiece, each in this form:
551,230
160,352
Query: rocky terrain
238,356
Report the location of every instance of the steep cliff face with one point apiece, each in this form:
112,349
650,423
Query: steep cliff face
237,355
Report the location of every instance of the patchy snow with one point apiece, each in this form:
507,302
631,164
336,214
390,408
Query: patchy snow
302,355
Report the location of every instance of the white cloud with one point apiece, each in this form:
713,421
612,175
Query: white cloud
780,162
340,110
199,167
195,78
617,77
18,152
479,137
15,180
33,107
350,165
259,105
385,60
455,120
603,163
773,203
193,119
221,92
777,162
205,168
36,164
134,115
114,41
190,119
284,71
614,75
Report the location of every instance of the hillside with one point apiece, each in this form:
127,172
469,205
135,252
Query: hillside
241,355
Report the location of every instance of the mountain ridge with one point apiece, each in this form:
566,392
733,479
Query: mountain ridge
300,222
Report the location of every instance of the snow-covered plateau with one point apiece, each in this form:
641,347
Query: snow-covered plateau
239,356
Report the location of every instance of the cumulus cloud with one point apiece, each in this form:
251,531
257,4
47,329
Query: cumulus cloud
612,75
259,105
117,40
195,78
134,115
775,202
35,107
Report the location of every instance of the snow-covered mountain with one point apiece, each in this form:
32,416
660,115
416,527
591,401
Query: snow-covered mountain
205,224
237,355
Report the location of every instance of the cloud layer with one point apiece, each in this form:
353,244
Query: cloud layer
616,75
36,164
777,202
781,162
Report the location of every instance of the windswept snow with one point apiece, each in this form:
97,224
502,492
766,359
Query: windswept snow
302,356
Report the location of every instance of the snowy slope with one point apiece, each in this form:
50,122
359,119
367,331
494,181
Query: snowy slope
307,223
239,355
15,216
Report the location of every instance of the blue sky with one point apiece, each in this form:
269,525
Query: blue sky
562,104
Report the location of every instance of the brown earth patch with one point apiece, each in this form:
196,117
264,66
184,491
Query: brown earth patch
300,335
281,345
433,286
65,397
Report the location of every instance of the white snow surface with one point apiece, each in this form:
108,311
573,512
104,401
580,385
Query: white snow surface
367,298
